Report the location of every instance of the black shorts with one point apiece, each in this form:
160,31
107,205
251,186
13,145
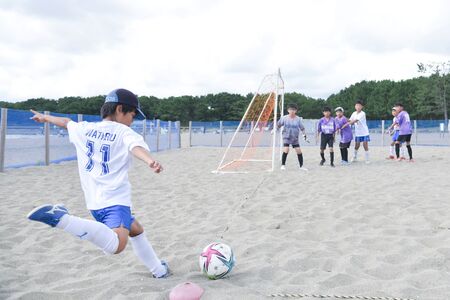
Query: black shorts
404,138
326,139
344,145
293,145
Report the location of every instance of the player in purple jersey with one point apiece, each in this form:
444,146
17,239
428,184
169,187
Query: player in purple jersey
327,129
405,131
345,130
393,130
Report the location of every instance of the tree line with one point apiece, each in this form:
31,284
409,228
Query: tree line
421,96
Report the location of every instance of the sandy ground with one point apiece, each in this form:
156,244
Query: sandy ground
376,230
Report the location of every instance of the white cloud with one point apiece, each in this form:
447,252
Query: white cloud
56,48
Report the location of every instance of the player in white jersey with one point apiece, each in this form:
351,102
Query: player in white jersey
358,118
104,153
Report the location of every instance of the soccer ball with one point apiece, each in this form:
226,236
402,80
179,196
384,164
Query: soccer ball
216,260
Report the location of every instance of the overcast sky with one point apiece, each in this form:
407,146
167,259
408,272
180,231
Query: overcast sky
56,48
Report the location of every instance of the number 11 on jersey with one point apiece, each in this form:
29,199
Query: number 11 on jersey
105,151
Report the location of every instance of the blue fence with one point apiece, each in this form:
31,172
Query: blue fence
219,134
25,140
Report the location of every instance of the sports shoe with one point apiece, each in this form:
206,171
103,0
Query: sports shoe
402,158
168,272
345,163
332,165
283,167
48,214
411,160
390,157
354,159
367,162
303,169
322,162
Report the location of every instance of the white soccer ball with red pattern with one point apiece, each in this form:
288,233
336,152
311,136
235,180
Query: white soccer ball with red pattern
216,260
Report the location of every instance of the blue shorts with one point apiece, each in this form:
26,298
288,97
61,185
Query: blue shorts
395,136
360,139
114,216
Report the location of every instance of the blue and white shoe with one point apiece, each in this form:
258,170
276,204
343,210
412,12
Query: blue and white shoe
48,213
168,272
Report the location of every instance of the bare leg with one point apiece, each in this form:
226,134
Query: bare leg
366,149
355,153
122,234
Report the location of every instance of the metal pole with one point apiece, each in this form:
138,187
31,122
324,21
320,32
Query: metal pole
158,132
179,133
47,140
316,136
170,134
144,128
274,137
190,134
251,130
4,115
415,131
275,126
221,133
382,133
80,118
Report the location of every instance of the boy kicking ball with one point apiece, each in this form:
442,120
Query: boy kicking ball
292,124
104,151
326,129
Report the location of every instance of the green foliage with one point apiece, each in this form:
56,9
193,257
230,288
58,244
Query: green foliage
421,96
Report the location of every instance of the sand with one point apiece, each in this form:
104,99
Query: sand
376,230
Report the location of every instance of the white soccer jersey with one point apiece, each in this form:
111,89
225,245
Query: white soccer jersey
104,156
361,128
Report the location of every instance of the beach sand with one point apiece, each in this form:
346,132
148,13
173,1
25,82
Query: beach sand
375,230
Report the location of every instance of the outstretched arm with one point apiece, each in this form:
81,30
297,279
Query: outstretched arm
144,155
58,121
345,125
351,122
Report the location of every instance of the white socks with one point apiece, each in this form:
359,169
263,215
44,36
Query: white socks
145,252
355,154
107,240
392,150
367,155
95,232
402,151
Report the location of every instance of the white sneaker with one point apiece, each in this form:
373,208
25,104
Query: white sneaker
304,169
367,162
354,159
283,168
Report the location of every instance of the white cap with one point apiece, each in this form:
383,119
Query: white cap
339,108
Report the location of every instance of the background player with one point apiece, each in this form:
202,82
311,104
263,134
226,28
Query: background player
405,131
292,125
345,130
326,128
358,118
